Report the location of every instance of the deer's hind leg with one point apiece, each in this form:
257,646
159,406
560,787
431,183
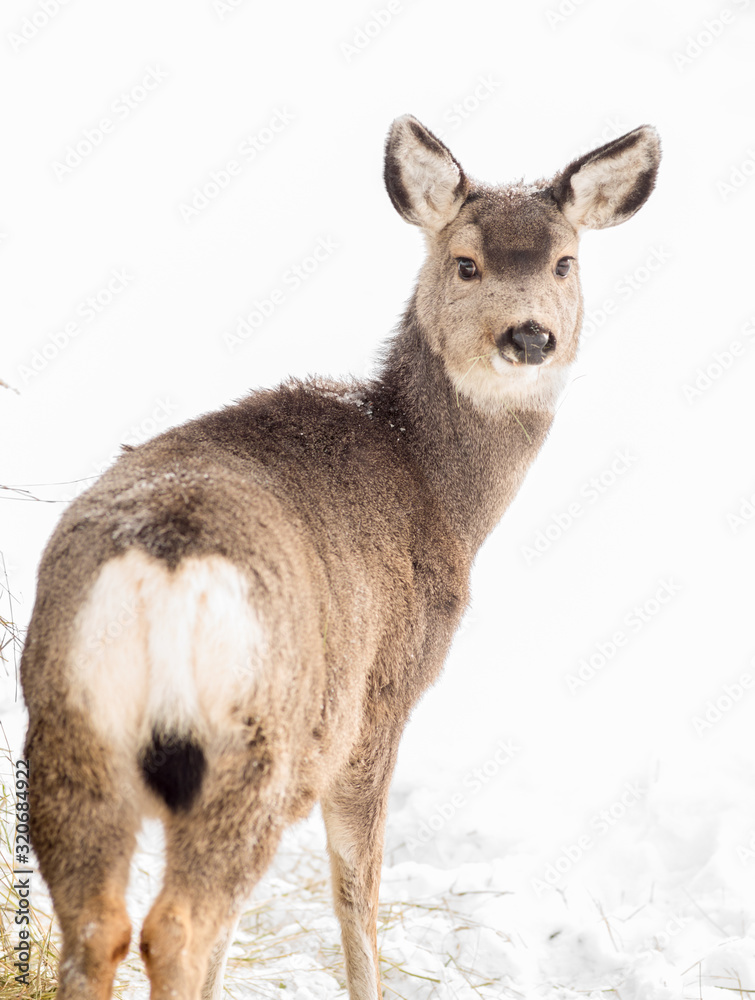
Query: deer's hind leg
83,829
216,851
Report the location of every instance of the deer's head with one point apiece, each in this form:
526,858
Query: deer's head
498,296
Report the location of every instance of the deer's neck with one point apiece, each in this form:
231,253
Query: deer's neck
474,462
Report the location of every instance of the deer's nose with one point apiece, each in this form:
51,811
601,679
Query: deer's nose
527,344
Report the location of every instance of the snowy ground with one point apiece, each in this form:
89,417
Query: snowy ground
573,810
657,907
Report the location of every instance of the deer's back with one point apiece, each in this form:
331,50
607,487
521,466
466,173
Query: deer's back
351,564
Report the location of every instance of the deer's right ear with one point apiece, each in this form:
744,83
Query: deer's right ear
425,183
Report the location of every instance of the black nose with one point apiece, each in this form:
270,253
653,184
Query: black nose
527,344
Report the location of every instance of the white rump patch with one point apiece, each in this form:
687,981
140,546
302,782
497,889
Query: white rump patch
172,650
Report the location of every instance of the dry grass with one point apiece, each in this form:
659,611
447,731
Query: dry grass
11,636
289,934
294,928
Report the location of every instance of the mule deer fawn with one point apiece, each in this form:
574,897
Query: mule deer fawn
286,576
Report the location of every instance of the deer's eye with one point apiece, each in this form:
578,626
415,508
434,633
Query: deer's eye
467,268
564,266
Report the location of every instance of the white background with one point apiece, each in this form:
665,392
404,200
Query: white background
517,90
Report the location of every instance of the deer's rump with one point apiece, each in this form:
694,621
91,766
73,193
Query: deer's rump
241,605
205,629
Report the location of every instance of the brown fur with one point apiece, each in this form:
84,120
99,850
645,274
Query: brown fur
352,514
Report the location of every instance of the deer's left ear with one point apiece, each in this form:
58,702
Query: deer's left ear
608,185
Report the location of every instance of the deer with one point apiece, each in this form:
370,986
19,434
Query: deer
235,621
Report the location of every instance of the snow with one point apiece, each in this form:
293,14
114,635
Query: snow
297,264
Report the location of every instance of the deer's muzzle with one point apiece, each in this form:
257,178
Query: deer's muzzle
526,344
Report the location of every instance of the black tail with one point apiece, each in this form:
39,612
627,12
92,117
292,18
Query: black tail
173,766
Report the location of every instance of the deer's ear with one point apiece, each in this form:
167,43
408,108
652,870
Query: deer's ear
608,185
425,183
